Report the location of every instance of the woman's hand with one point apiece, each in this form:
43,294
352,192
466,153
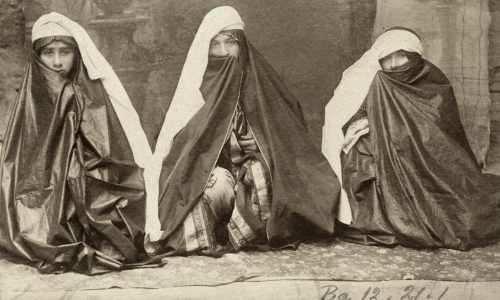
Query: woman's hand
354,132
248,143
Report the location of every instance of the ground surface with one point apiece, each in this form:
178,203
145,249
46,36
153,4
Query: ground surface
312,268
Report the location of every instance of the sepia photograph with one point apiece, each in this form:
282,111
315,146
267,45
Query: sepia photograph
264,149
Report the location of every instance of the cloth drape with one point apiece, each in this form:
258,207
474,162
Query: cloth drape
98,68
187,99
305,189
72,197
414,180
350,94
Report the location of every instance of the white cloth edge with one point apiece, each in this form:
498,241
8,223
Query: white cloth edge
350,94
188,99
99,68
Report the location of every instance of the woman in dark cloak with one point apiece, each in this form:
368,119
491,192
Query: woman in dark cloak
241,170
72,197
408,171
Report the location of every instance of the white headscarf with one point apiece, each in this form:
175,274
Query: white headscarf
188,98
98,68
350,94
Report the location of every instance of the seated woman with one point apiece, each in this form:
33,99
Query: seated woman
241,169
408,171
72,197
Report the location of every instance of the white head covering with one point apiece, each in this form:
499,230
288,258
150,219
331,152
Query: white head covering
41,30
97,67
187,98
350,94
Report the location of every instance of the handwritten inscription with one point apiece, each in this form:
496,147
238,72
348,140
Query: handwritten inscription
410,292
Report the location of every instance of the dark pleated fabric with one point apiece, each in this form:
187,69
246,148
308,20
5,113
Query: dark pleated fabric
305,190
414,179
72,197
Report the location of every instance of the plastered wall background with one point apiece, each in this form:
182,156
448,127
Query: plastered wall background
309,43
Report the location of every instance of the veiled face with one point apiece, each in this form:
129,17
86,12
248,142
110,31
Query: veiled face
394,60
224,45
58,56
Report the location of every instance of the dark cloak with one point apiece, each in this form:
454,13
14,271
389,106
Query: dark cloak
305,190
414,179
72,197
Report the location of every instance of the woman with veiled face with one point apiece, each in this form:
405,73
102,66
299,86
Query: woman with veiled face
409,175
240,169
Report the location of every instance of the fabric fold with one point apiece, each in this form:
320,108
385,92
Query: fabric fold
72,196
413,179
288,165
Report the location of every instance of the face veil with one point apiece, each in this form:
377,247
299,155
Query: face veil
413,179
351,93
305,189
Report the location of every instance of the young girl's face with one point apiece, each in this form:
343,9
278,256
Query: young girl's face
394,60
58,56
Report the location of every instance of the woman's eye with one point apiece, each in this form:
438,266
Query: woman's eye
47,52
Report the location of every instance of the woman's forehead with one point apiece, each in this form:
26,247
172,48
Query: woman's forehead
44,41
58,44
400,51
223,36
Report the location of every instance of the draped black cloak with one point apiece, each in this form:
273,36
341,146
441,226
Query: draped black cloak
414,180
305,190
72,197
